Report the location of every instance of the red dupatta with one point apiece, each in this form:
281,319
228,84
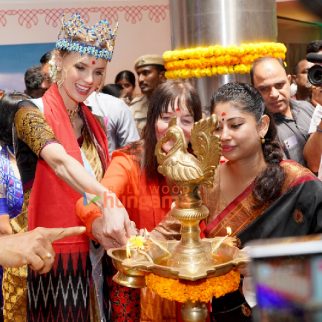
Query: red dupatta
52,201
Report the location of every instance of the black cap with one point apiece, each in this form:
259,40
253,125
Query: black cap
314,58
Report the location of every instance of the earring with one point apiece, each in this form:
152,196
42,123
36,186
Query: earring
60,82
263,140
62,78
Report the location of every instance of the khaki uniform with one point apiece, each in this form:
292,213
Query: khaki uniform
139,109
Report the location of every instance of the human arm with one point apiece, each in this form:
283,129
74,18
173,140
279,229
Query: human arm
5,227
33,248
33,130
118,178
313,149
116,222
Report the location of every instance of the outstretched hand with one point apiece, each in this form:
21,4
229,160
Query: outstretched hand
114,227
34,248
54,234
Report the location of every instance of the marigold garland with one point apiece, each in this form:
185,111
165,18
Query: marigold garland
203,290
218,60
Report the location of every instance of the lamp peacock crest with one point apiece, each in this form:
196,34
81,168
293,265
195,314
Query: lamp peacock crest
183,167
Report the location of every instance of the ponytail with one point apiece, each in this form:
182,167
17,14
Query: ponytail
269,183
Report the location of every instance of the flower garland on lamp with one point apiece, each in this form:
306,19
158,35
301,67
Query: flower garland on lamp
218,60
198,291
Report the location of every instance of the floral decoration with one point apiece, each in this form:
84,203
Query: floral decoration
218,60
202,290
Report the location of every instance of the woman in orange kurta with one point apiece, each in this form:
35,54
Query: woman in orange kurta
133,177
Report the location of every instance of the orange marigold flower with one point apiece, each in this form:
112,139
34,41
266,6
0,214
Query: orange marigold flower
202,290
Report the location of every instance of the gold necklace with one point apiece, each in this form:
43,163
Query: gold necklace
72,113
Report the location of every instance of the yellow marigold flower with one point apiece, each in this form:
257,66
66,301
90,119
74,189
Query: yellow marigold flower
169,74
208,72
216,59
136,242
214,70
230,70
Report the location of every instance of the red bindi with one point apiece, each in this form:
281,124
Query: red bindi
178,109
223,114
93,62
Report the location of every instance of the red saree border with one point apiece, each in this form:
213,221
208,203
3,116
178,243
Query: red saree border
229,208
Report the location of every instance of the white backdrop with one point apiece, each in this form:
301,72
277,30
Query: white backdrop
144,28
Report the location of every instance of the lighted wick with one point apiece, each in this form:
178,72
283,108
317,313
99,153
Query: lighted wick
128,249
134,242
214,248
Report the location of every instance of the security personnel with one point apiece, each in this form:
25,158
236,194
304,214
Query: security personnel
150,70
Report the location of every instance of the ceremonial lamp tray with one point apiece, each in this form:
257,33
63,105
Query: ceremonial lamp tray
159,257
190,259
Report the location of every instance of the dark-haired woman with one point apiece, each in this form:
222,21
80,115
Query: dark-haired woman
256,193
11,193
132,175
126,79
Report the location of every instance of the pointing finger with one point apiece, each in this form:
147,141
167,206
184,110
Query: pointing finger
54,234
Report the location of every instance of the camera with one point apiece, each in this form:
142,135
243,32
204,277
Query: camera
314,73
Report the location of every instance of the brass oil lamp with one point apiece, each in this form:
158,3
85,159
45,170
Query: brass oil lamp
191,259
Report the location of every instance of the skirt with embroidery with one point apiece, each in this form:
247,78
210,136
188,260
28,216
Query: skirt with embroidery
63,294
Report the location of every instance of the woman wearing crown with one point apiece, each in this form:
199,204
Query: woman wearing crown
61,152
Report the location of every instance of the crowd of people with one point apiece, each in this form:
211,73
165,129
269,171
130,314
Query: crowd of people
70,137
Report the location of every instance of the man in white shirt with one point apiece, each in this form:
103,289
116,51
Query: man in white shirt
117,118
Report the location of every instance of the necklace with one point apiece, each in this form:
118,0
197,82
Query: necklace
73,113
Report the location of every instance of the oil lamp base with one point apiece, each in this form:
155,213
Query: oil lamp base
194,312
129,281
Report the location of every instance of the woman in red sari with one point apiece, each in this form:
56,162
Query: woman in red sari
61,152
256,193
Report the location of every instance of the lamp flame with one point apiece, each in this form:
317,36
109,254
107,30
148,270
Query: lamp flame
128,249
221,240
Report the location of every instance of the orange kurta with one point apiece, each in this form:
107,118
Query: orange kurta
147,203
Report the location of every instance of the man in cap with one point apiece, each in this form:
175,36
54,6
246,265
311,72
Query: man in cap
292,118
150,70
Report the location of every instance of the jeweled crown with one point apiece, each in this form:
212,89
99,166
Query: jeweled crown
98,40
